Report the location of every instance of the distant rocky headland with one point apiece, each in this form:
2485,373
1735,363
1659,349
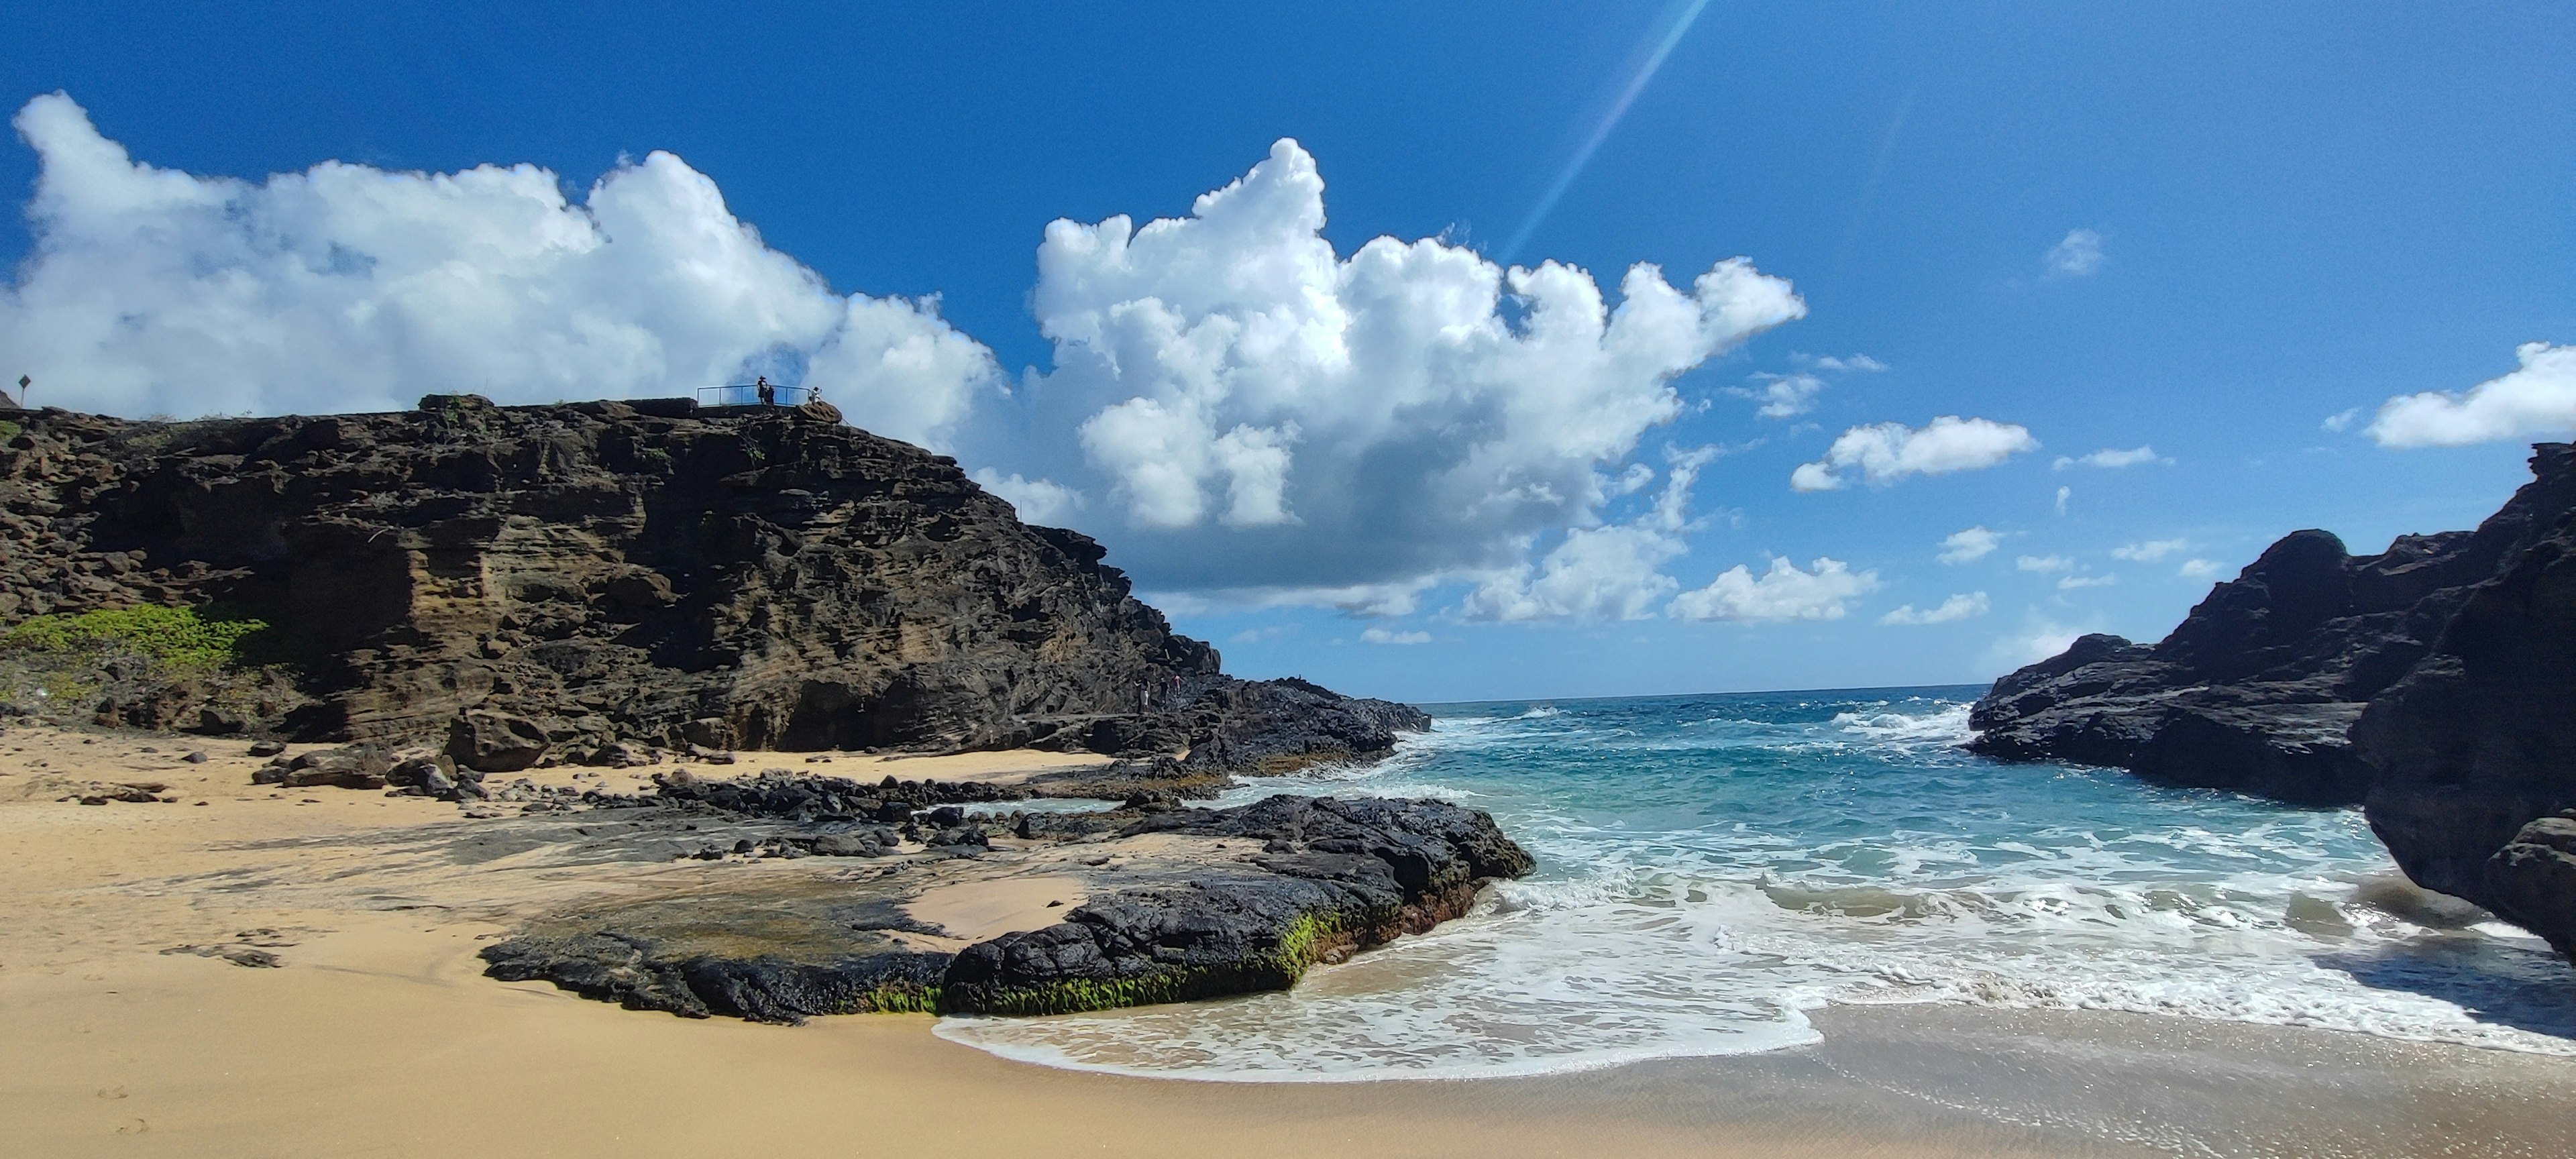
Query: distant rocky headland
443,601
2434,683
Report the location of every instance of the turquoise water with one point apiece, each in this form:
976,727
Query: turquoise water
1712,867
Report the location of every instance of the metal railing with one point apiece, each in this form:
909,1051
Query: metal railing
749,394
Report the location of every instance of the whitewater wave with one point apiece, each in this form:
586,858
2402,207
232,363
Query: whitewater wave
1712,869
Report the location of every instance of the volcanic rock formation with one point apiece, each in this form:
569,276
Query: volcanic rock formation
539,584
1182,904
2436,682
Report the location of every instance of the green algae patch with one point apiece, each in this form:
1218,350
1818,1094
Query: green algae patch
1302,943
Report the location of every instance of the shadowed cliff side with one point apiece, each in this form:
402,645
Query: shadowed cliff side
2260,685
2435,681
522,585
2475,749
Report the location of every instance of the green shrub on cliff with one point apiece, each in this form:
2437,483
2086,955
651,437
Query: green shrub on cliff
179,637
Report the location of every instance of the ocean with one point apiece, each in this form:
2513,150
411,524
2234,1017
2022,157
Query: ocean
1711,869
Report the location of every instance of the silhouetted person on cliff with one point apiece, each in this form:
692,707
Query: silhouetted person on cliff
768,393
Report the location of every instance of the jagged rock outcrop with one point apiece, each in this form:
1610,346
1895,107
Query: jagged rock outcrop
1266,891
525,585
2259,687
1254,726
2475,749
2436,683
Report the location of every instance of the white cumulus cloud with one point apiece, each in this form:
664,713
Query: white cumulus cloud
2043,563
1972,544
1964,606
2077,254
2149,551
1887,452
1782,593
1857,362
2037,641
1600,573
1382,636
1042,501
2070,583
2200,568
1783,396
2110,458
2539,398
1266,414
348,288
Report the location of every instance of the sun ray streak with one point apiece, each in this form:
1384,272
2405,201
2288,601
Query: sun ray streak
1683,16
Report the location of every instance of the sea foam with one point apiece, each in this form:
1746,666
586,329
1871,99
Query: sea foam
1712,868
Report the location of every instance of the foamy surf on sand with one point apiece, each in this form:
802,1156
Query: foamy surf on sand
1713,868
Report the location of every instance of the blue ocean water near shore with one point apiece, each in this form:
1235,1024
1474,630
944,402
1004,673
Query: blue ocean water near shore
1712,867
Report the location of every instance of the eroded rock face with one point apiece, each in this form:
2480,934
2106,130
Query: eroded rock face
514,583
2260,686
2476,748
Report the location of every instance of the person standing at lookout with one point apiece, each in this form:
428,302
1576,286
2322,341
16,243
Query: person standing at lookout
768,393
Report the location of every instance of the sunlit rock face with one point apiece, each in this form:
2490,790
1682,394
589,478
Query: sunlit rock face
527,583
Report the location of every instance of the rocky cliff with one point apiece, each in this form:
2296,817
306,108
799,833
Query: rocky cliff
2474,750
2436,681
2259,687
553,583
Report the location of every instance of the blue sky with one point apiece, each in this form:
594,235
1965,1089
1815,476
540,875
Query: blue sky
2201,229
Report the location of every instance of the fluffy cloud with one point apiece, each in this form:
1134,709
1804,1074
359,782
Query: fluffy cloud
1600,573
2063,494
2200,568
2539,398
1382,636
1043,501
1263,412
2072,582
2043,563
1782,593
1973,544
2077,254
2110,458
1965,606
2037,641
346,287
1888,452
1783,396
2150,551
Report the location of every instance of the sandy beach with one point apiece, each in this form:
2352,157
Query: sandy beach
132,1030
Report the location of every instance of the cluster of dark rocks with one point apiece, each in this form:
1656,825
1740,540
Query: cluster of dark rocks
846,818
2434,684
1316,880
603,583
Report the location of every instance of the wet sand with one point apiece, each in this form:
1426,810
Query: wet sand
377,1034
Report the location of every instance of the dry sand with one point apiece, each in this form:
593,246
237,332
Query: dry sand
378,1034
